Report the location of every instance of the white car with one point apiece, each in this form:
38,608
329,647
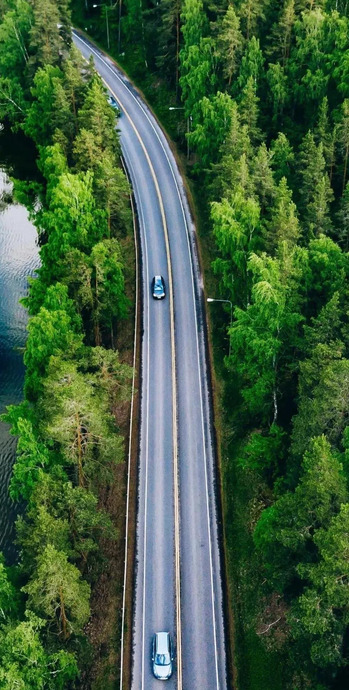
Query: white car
162,655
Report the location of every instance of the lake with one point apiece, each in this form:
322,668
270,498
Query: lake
19,257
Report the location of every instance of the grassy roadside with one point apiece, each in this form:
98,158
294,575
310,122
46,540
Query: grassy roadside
254,666
104,627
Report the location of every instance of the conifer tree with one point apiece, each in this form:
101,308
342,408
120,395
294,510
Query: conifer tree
284,225
252,12
230,43
46,42
249,111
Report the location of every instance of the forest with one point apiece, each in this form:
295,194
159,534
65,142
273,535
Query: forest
265,91
69,439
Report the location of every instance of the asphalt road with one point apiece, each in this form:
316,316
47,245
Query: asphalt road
176,424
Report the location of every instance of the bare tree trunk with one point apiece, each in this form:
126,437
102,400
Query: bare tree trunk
177,45
345,165
79,441
63,615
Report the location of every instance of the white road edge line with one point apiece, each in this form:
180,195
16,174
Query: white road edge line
130,442
147,435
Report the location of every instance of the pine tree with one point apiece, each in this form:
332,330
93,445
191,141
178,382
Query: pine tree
252,64
236,227
46,42
343,139
284,225
230,43
168,32
282,159
252,12
285,531
277,82
327,134
281,33
343,220
263,181
249,111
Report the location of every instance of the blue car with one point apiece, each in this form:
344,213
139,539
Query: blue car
158,287
113,103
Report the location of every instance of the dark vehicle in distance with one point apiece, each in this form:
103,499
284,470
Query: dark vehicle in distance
158,287
162,655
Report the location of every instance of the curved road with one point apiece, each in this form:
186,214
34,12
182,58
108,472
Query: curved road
178,573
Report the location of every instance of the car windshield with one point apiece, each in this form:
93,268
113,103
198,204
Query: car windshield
158,283
162,659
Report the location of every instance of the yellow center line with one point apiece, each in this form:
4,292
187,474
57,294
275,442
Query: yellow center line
174,396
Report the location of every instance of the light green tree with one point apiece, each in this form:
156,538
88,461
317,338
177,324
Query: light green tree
282,158
98,117
77,417
236,227
283,225
262,176
252,64
57,593
277,81
213,118
264,334
49,333
109,286
24,662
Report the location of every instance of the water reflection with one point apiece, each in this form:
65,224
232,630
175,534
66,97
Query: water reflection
18,260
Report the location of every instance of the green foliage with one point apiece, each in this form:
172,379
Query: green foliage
58,594
98,117
263,450
49,333
24,662
41,118
229,43
236,227
67,434
78,419
264,335
46,40
8,594
252,64
211,122
321,615
14,40
286,532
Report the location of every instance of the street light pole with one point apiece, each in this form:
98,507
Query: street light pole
189,119
119,27
107,8
228,301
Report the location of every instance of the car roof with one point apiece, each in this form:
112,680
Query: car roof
162,642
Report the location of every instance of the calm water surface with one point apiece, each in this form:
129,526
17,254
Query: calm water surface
18,259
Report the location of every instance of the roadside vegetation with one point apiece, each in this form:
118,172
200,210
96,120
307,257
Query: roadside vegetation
66,476
265,91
